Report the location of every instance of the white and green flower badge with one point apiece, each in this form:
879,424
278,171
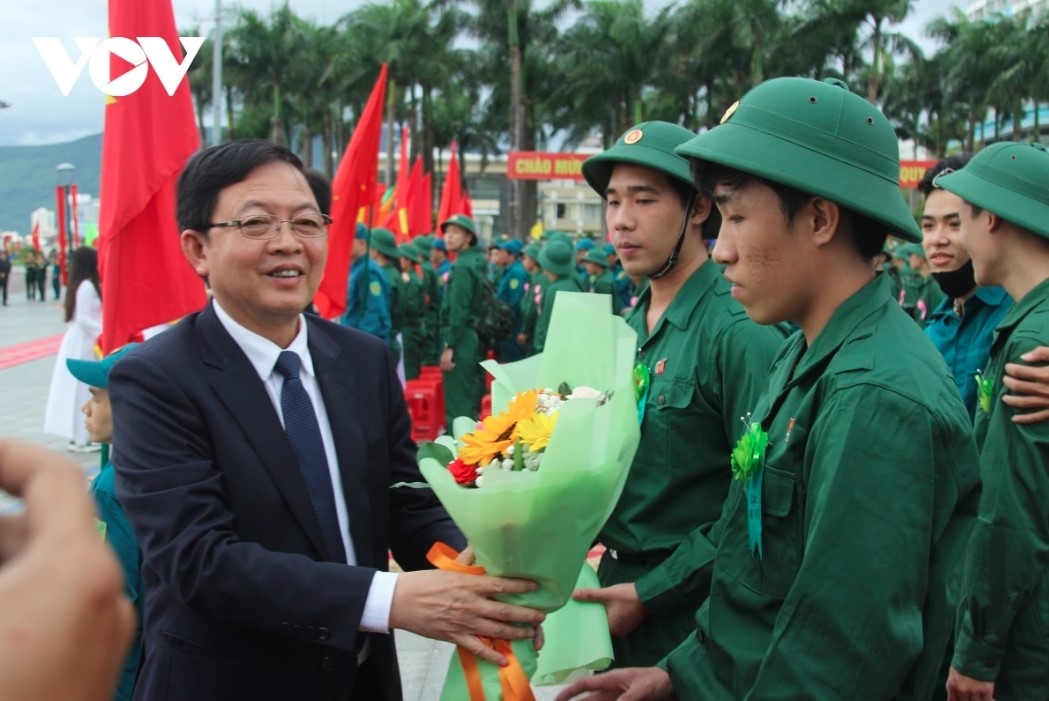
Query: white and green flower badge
748,466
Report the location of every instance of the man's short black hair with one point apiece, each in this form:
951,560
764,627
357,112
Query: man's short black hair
210,171
955,162
687,194
868,236
320,184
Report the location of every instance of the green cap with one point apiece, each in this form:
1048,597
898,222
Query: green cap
461,220
95,373
383,241
558,258
424,243
912,249
596,255
819,138
532,250
649,144
409,251
560,236
1009,179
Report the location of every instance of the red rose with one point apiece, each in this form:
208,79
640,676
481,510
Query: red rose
462,473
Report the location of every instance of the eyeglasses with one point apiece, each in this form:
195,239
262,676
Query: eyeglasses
267,226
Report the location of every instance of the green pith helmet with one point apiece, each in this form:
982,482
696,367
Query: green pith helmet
383,241
424,243
913,249
460,220
558,258
532,250
816,137
649,144
409,251
1008,179
596,255
560,236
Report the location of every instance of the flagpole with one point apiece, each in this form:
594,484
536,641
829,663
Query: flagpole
216,79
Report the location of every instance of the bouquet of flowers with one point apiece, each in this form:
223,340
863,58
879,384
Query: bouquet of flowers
531,486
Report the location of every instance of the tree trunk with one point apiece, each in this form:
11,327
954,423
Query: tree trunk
307,146
428,136
329,143
229,113
515,222
1018,113
874,78
276,133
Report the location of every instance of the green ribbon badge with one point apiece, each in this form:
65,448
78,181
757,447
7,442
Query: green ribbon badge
642,383
984,391
748,462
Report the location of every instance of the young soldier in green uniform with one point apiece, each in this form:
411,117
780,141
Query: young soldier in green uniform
836,546
532,301
463,375
511,287
384,252
368,291
432,298
929,293
561,276
413,306
598,278
708,363
582,247
1002,647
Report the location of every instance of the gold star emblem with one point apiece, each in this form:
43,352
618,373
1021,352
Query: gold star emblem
633,136
729,112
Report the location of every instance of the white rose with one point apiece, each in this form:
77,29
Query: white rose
586,393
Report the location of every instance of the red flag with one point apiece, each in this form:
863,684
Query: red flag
352,189
418,207
63,254
466,205
147,139
428,202
403,193
452,192
35,235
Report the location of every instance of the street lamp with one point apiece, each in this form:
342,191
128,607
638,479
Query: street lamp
65,181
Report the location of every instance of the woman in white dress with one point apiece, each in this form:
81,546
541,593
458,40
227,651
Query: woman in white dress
84,324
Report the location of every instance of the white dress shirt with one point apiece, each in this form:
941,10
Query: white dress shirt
263,354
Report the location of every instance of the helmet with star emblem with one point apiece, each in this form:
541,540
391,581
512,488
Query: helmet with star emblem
649,144
816,137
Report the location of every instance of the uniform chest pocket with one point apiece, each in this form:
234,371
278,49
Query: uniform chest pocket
781,522
672,409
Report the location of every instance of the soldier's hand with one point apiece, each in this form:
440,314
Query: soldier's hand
1028,387
631,684
621,602
963,688
448,360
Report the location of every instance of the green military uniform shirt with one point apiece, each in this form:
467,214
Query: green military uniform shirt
530,305
393,275
464,385
569,283
603,284
432,318
1003,627
870,489
709,364
413,306
929,297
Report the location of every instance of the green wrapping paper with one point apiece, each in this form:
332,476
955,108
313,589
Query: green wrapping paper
540,525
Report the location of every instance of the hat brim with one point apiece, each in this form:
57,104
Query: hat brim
555,268
90,372
755,152
597,170
1010,205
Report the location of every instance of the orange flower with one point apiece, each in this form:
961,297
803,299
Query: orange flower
496,433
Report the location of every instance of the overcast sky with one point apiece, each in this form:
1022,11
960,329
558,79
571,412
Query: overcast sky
39,113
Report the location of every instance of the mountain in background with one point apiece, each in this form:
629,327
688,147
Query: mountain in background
28,177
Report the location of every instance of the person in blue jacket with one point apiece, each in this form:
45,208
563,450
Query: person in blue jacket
368,292
512,285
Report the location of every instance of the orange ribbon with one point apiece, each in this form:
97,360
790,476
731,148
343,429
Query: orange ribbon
512,678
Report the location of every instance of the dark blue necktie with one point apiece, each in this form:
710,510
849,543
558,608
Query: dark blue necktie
304,433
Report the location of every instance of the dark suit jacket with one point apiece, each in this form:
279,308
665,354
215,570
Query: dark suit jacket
240,602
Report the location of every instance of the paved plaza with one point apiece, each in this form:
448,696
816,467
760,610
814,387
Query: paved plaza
23,396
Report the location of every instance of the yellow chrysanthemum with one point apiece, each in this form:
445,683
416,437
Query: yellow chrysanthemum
496,433
535,431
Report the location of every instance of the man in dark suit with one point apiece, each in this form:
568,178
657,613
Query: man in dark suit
256,450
